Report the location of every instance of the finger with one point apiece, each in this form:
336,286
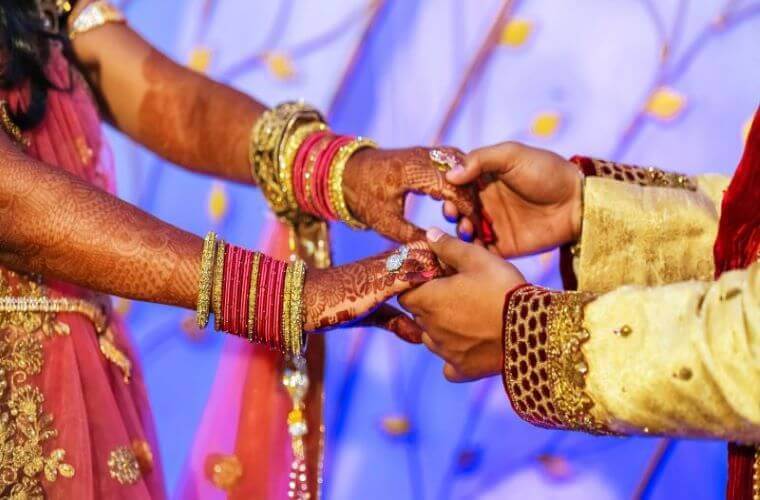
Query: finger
424,178
451,251
465,230
452,375
431,345
450,212
398,229
389,318
494,158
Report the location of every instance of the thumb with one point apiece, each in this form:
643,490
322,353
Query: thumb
496,159
452,251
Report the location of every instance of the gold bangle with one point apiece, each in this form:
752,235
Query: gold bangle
285,167
288,156
269,134
286,303
205,278
216,297
298,344
10,127
95,15
252,295
335,179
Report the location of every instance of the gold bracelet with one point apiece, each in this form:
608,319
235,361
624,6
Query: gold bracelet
335,179
205,278
298,336
252,295
216,297
95,15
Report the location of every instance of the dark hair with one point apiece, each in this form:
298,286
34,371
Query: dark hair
25,41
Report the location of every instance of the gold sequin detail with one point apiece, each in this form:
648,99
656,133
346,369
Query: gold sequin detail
123,465
545,369
756,475
143,454
224,471
643,176
115,355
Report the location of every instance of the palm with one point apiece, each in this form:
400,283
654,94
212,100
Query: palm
532,204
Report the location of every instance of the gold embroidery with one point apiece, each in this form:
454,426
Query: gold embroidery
123,465
25,427
756,475
545,369
114,355
224,471
643,176
143,454
84,150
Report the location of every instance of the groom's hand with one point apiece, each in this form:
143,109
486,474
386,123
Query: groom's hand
377,181
531,195
462,314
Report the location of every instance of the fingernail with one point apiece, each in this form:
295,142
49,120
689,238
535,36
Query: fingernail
451,218
434,234
466,236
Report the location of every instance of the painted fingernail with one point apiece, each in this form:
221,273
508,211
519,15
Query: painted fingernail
466,236
434,234
451,218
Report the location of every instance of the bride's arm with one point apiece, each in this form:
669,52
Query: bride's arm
56,225
206,126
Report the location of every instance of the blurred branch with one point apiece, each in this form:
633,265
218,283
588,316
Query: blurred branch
376,8
653,468
474,70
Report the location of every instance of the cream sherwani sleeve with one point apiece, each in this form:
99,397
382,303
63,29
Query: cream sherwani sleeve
645,226
679,360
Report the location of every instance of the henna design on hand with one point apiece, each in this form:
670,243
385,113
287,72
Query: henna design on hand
194,121
57,225
346,293
376,183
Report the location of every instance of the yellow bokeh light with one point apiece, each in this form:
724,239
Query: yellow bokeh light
516,32
280,65
217,202
546,124
665,103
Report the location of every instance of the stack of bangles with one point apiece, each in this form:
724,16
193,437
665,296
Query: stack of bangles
299,163
252,295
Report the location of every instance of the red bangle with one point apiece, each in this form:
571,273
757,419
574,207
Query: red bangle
245,292
299,167
228,281
321,181
276,309
310,168
261,300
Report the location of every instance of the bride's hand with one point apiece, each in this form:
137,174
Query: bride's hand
376,183
347,293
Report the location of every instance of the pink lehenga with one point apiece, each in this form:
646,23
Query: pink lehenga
74,416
